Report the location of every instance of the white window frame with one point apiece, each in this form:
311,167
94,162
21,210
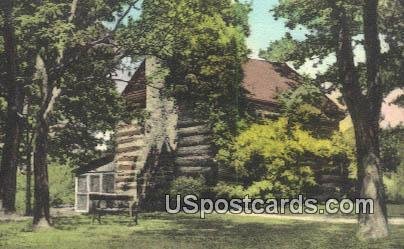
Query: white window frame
88,187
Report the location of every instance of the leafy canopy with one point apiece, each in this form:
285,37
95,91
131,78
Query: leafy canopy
79,58
202,43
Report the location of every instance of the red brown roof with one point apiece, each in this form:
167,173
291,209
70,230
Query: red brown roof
264,80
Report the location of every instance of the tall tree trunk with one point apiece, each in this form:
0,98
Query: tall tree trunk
365,113
370,178
41,189
28,179
370,175
14,106
28,193
41,194
29,138
49,95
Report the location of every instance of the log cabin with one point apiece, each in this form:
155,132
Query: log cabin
170,142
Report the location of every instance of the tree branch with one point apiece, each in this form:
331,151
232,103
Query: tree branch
120,19
353,96
73,10
51,101
372,48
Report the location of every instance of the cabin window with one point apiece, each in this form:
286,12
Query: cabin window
82,184
108,183
99,182
95,183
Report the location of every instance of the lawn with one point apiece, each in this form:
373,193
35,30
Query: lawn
188,231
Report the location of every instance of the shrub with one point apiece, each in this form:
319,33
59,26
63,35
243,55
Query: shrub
275,159
394,183
392,154
61,186
188,186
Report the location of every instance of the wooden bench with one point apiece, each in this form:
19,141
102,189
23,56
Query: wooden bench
102,203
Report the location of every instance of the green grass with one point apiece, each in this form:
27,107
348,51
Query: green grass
395,210
188,231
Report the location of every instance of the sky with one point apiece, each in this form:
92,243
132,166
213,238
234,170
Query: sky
264,27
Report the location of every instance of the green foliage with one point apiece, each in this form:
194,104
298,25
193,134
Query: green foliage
394,183
80,58
345,141
188,186
307,105
390,144
61,182
280,50
391,26
318,20
89,104
391,147
202,43
392,151
276,159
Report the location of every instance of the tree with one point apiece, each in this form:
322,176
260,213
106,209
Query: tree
59,35
332,31
14,106
202,44
307,105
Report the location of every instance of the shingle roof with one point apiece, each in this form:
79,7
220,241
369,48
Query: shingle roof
264,80
105,163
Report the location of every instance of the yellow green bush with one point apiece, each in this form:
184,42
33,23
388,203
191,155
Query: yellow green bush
276,159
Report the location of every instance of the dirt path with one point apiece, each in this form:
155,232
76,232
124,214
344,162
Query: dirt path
318,218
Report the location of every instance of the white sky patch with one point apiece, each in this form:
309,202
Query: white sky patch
105,136
125,73
312,67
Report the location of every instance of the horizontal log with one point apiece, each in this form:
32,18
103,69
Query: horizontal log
137,93
122,124
193,140
129,133
135,98
194,150
126,160
126,167
194,130
128,172
193,160
123,158
129,127
129,139
138,142
194,170
188,122
128,149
